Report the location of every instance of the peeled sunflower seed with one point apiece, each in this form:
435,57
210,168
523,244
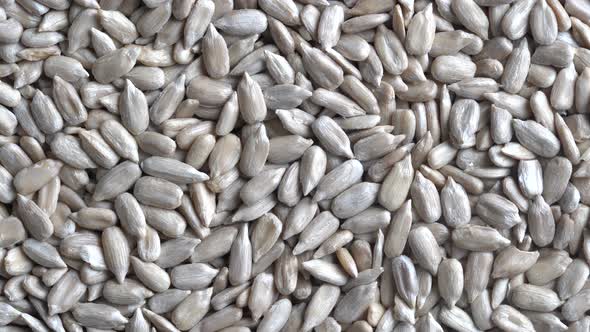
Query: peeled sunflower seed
163,114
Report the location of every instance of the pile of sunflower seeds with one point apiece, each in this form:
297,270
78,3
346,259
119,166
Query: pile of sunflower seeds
294,165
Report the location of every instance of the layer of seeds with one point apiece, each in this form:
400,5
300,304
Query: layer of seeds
294,165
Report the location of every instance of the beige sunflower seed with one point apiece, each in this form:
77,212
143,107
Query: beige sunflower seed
151,275
116,252
562,96
215,53
333,243
512,261
170,223
336,102
426,198
199,151
425,249
69,150
471,16
146,78
279,68
276,316
114,65
35,220
172,252
310,18
246,60
119,139
372,71
477,274
255,151
296,121
422,27
265,234
101,42
551,265
242,22
192,309
129,292
370,220
570,282
289,191
215,245
510,319
65,294
261,185
557,54
17,263
32,178
299,217
361,252
478,238
321,68
284,149
172,170
131,215
570,200
456,318
463,69
220,320
376,146
17,231
517,67
94,218
316,232
441,155
167,102
544,27
541,222
399,230
347,262
261,294
390,51
157,192
192,276
364,22
137,322
228,296
555,186
240,264
45,114
406,280
463,121
450,280
566,137
328,31
353,47
118,25
247,213
251,100
153,20
497,211
285,269
536,138
455,204
96,147
354,304
43,254
98,316
396,185
133,109
354,200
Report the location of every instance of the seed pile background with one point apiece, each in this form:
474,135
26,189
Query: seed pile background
294,166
